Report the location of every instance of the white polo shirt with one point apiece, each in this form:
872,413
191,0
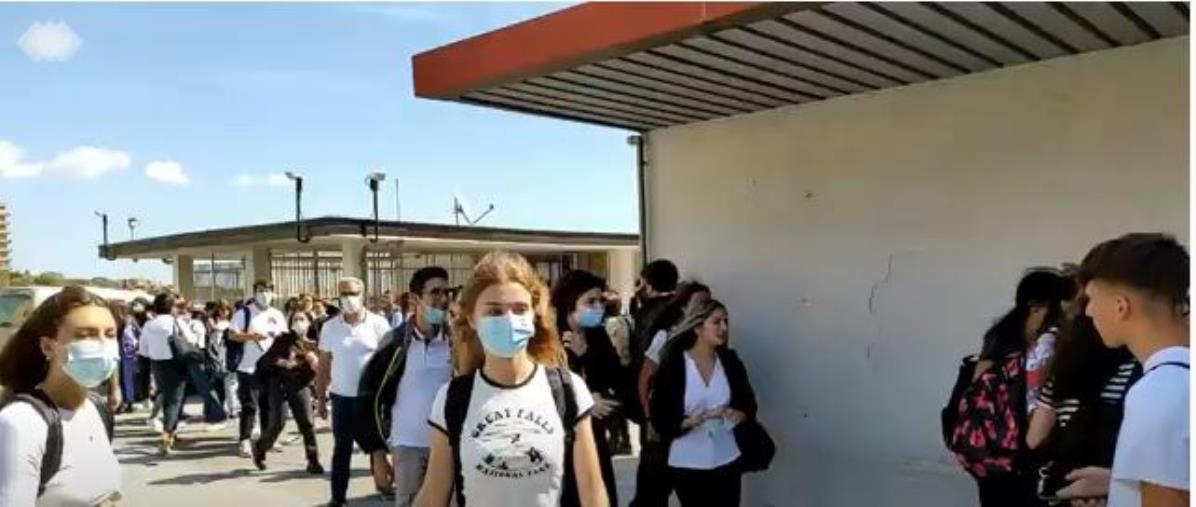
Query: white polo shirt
1154,440
269,322
351,348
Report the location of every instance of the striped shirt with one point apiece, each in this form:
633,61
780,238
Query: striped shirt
1113,392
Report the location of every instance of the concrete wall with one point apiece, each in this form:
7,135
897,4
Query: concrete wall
864,244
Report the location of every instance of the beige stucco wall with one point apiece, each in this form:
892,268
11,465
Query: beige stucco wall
863,244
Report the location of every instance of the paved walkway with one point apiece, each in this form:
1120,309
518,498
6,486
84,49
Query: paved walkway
205,471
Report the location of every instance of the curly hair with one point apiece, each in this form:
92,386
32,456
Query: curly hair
495,268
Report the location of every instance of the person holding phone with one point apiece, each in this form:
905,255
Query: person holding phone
580,311
701,393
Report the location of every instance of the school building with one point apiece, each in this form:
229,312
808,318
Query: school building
862,184
313,255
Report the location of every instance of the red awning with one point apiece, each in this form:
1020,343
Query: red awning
642,66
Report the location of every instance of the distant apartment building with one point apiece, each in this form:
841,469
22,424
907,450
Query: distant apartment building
5,241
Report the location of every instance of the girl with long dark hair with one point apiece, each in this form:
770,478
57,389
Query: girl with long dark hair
67,346
1028,333
577,299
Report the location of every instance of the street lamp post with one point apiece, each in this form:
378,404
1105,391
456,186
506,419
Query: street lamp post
373,180
299,235
133,223
104,222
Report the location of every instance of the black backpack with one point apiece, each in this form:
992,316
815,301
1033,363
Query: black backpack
456,408
234,350
41,403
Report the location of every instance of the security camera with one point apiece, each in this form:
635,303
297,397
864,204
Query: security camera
292,176
633,140
377,176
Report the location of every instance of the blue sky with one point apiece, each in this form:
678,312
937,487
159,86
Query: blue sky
212,99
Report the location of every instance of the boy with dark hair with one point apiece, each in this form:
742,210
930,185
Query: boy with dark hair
654,289
399,383
1137,289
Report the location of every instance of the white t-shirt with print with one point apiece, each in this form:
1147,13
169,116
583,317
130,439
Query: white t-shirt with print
269,322
351,346
1154,440
429,366
512,441
89,473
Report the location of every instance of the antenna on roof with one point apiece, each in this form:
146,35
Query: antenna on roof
461,209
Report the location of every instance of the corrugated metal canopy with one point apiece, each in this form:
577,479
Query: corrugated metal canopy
730,59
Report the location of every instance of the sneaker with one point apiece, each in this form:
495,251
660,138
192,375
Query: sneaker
259,458
246,449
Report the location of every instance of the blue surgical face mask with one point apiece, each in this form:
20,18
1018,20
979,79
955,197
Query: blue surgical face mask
590,317
434,316
90,362
506,335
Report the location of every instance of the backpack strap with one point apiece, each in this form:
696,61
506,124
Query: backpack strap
1185,366
456,407
101,405
561,383
52,456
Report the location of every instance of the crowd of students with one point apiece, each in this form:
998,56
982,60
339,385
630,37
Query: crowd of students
505,391
1080,392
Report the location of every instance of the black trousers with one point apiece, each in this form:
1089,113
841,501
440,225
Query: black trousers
252,396
141,385
719,487
653,483
1007,491
279,395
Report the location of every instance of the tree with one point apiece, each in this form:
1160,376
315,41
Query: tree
49,278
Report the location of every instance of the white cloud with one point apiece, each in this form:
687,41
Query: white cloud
89,162
11,164
277,180
270,180
167,171
47,41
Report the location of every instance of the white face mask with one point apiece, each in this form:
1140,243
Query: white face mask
351,304
264,298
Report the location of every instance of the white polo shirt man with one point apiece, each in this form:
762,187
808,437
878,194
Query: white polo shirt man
351,346
1153,444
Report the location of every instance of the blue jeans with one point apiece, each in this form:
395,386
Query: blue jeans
342,444
213,410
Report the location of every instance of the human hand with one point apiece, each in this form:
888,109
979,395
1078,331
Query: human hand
734,416
1087,485
603,407
321,407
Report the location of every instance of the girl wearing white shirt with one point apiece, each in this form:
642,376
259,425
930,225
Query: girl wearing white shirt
701,393
67,346
511,449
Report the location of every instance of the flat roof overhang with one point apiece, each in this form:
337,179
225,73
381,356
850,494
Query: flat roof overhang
328,233
644,66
